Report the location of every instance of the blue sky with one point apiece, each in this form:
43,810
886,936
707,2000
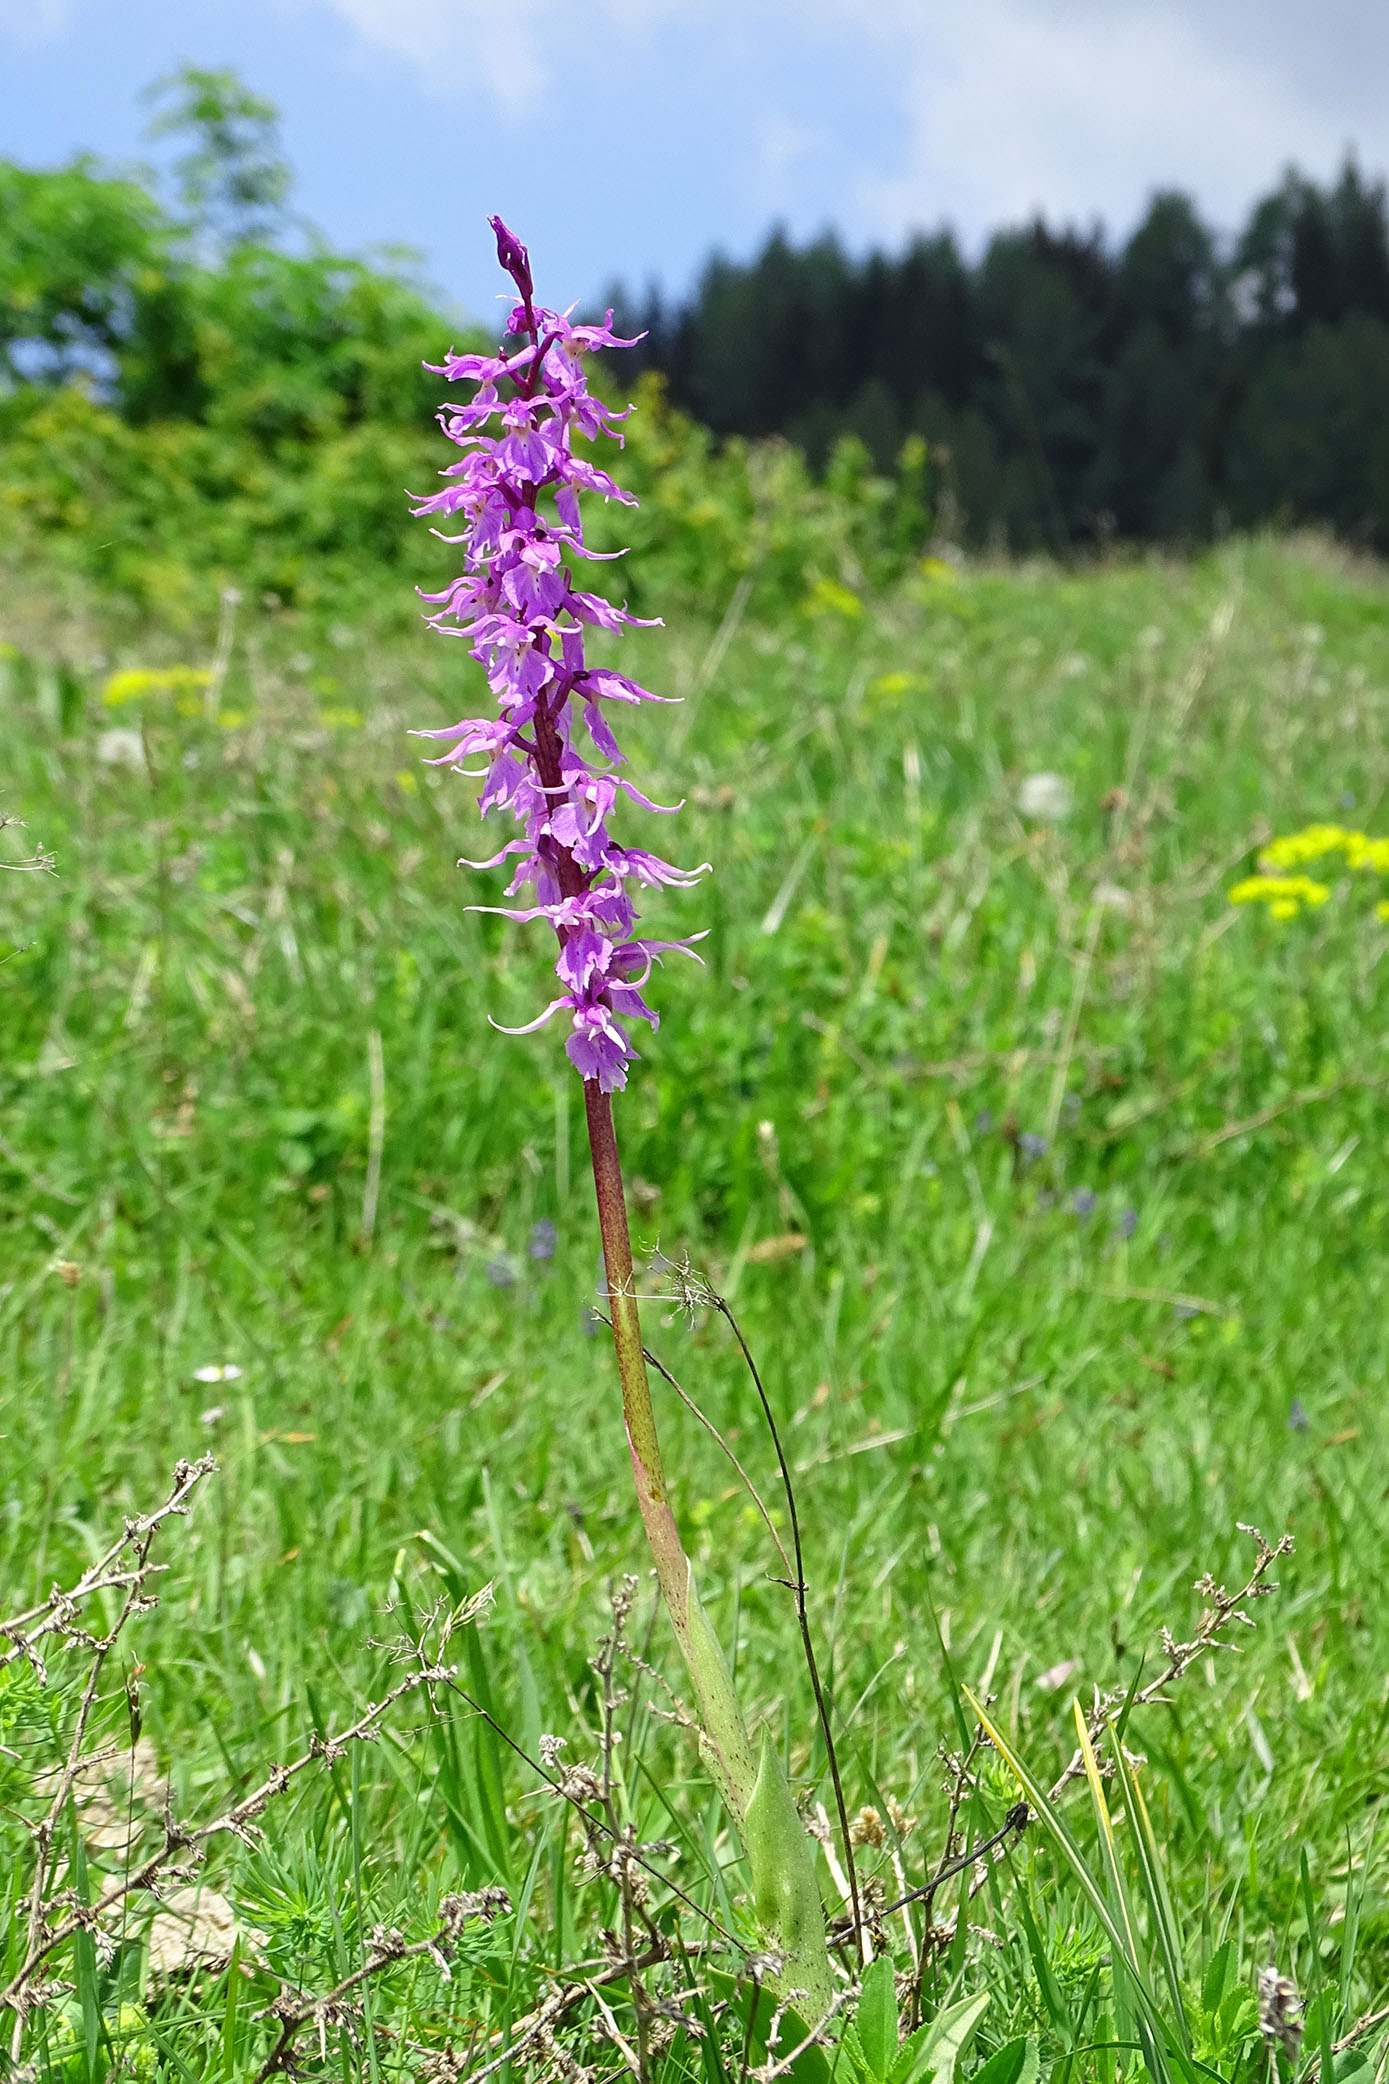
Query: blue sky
626,138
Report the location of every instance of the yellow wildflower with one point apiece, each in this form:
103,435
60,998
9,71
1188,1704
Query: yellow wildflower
132,683
1308,845
1284,895
1372,854
1294,849
828,597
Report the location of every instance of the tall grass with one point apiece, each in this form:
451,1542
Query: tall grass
1027,1391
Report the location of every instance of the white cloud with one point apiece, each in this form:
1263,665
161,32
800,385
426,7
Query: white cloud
781,148
453,43
31,23
1016,106
517,52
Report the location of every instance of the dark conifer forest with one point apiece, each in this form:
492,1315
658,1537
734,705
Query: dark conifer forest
1072,389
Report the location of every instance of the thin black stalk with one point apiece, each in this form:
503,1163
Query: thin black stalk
704,1419
799,1592
1017,1819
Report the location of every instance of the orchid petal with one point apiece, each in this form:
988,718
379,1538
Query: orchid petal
531,1025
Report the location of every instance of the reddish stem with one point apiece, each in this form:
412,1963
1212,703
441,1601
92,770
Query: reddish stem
622,1301
727,1747
637,1410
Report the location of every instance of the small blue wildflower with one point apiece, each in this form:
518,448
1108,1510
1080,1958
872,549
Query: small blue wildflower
1346,800
1185,1310
1128,1222
983,1121
1298,1421
1031,1145
543,1239
1083,1203
500,1273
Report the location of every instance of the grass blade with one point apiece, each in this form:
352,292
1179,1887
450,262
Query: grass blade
1154,1884
1133,1966
1052,1820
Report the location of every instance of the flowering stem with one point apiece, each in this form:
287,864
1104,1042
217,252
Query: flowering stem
672,1565
728,1748
637,1408
785,1891
517,494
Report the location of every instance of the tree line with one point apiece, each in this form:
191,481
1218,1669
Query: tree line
196,383
1071,389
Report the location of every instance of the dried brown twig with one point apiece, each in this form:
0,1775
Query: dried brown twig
238,1821
126,1566
1224,1609
172,1850
295,2011
58,1613
1366,2023
39,862
505,2046
53,1918
781,2065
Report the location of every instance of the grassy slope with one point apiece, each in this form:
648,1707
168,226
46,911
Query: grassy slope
995,1405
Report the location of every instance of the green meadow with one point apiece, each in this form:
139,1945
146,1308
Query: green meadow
1046,1185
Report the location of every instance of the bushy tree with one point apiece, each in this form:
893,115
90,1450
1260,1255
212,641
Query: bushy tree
232,182
81,255
199,388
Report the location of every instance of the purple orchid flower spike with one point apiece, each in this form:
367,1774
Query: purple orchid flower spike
549,755
551,749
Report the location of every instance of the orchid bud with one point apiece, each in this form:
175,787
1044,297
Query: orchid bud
513,257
